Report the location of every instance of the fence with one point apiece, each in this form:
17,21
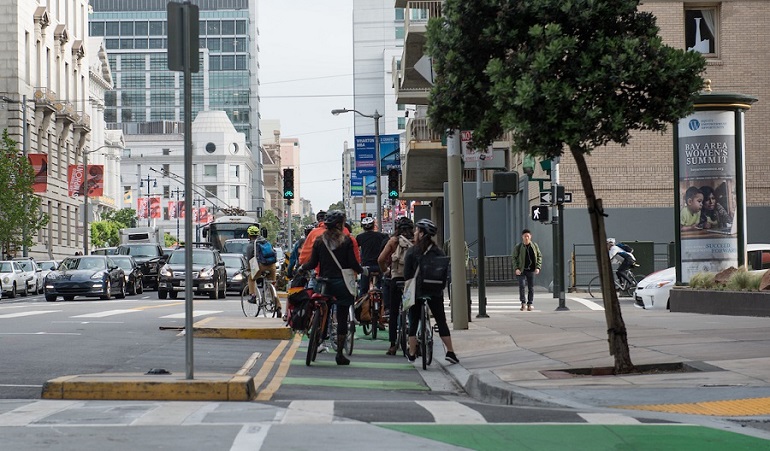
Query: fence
583,267
498,270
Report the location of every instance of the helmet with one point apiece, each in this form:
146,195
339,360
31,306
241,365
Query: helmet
253,230
334,218
611,241
367,223
427,226
320,216
404,223
308,229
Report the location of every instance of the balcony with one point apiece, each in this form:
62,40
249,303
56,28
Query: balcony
44,100
425,164
83,122
411,86
65,112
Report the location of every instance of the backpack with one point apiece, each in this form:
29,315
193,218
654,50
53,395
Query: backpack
266,253
299,310
399,257
625,247
434,269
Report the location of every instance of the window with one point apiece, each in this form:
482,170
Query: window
402,123
141,28
240,27
228,27
113,29
157,29
235,192
166,191
235,171
209,170
400,14
211,191
165,168
212,27
701,28
126,28
399,32
97,28
166,152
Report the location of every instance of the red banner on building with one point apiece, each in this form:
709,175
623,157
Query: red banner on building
141,207
156,211
180,209
39,162
203,215
75,180
172,209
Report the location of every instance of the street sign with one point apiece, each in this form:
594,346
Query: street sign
545,197
567,198
540,213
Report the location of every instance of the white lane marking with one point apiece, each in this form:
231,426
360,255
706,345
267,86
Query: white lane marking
250,437
590,304
309,412
36,411
195,313
106,313
39,333
20,314
452,412
170,413
608,418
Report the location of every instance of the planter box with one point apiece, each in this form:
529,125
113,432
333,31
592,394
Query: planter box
733,303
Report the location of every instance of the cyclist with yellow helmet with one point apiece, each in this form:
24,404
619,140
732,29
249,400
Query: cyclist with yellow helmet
249,252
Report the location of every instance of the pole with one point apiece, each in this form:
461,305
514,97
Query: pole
25,151
188,176
558,238
458,301
148,200
482,250
378,208
85,202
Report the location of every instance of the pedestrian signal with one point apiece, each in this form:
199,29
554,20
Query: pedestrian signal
540,213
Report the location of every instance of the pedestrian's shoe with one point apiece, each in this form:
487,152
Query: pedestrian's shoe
340,358
529,307
277,314
322,347
253,299
451,357
392,350
523,306
411,357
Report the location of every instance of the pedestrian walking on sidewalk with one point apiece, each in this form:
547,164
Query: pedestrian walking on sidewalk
527,261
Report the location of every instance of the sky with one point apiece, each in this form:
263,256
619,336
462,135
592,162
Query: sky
306,70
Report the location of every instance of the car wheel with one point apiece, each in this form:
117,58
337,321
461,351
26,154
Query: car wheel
41,290
50,297
69,298
133,291
107,292
215,294
173,294
162,294
25,291
139,287
223,293
122,293
12,294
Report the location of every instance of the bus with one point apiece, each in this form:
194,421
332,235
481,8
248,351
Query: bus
225,228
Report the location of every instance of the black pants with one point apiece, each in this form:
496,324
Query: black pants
393,300
338,289
529,278
436,305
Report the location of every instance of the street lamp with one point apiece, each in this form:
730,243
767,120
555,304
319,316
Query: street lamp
376,116
176,212
85,192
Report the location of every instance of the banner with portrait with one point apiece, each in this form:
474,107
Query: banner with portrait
75,180
39,162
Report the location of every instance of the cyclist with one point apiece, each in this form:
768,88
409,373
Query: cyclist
335,241
307,246
391,261
294,257
424,245
251,251
370,242
624,257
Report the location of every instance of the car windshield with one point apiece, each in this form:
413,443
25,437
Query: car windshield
51,265
232,261
201,257
27,265
148,250
86,263
235,247
5,267
123,262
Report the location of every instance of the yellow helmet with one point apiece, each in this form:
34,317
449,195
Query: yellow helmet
252,230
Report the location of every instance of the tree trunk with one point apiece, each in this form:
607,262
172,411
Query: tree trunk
616,327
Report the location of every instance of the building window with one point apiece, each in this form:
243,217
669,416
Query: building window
166,152
165,168
399,32
402,123
400,14
235,192
209,170
166,191
701,28
235,171
211,191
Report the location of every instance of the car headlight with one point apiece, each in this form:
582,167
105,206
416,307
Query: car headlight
237,277
166,271
98,275
6,279
658,284
206,272
125,276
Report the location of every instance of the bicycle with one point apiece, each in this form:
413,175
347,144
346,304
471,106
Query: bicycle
624,286
375,305
318,320
267,298
425,333
350,337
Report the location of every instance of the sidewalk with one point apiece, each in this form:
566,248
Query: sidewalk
507,357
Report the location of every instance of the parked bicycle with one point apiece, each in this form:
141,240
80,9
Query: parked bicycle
266,300
624,285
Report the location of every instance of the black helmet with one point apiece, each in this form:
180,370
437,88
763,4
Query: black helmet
427,226
308,229
320,216
334,218
404,223
367,223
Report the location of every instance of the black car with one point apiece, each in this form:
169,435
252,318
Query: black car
105,251
208,274
235,246
235,264
91,275
149,257
134,283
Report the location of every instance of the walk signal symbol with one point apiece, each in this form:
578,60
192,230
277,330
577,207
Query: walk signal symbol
393,184
288,183
540,213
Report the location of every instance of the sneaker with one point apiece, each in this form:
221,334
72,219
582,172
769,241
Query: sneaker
451,357
392,350
410,357
523,306
529,307
322,347
253,299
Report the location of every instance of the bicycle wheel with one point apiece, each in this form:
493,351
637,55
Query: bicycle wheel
249,309
423,334
375,318
429,344
271,298
403,327
351,337
595,287
313,337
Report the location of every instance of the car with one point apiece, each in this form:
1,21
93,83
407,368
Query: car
652,292
150,259
105,251
86,275
14,278
279,258
133,274
46,266
34,281
235,246
235,265
168,250
208,273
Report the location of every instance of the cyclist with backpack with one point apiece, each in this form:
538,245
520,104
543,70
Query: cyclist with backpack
431,280
260,249
391,261
371,243
623,254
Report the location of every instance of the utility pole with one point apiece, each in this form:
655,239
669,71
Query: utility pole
155,185
558,236
459,298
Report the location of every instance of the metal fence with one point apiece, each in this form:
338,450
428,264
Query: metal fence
583,265
498,270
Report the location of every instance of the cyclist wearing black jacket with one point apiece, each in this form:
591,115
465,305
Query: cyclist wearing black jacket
370,244
424,245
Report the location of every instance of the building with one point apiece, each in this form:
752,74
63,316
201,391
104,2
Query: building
52,84
145,90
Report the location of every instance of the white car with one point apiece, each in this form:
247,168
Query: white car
46,266
652,292
35,281
13,277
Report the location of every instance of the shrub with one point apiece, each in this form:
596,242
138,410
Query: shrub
743,280
703,281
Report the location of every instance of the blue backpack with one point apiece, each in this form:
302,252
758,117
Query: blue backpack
266,253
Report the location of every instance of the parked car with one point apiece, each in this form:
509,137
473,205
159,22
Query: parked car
133,274
150,259
14,278
208,273
105,251
46,266
279,258
235,265
235,246
34,281
653,291
89,275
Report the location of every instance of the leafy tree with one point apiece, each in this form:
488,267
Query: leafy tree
125,217
339,205
169,240
105,233
19,206
273,225
562,75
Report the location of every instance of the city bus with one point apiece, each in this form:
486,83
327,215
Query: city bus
225,228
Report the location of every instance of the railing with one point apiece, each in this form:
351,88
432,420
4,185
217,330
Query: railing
498,270
419,13
44,96
419,129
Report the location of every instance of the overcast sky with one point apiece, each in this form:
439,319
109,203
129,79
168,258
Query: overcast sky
306,60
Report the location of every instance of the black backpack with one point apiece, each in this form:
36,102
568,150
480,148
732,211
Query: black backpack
434,269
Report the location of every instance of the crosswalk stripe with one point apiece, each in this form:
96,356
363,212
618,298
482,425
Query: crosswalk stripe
309,412
36,411
21,314
452,412
608,418
105,313
195,313
171,413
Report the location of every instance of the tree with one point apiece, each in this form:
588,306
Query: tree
105,233
125,217
339,205
19,206
561,75
273,225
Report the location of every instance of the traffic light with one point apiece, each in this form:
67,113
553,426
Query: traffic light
288,183
393,184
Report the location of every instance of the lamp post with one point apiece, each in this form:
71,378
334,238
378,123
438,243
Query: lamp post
199,202
155,185
85,192
376,116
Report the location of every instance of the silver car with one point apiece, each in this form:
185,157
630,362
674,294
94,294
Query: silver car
35,281
14,279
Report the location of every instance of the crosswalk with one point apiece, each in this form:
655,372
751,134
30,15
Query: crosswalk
500,303
102,314
169,413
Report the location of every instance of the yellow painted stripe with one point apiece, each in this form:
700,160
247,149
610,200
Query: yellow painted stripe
147,307
734,407
268,365
283,369
249,364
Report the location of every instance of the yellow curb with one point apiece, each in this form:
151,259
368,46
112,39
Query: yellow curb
735,407
242,328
